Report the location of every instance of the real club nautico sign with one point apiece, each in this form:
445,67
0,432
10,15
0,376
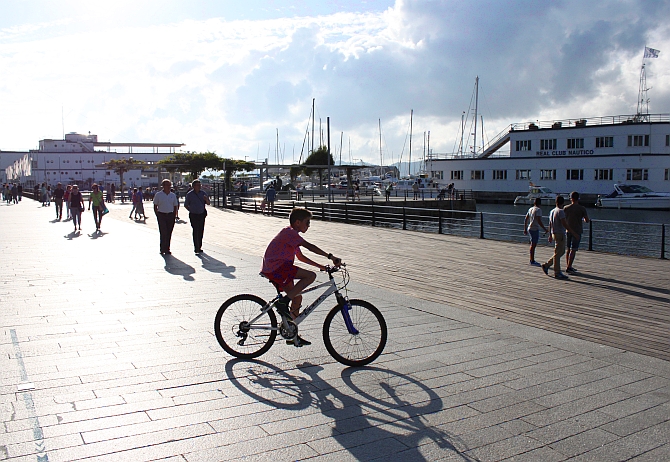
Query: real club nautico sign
569,152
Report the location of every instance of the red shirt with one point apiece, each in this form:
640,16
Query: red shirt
282,248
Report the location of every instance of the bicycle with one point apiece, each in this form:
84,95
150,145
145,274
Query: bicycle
246,327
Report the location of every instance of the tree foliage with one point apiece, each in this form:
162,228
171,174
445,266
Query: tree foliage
317,157
231,166
192,163
123,165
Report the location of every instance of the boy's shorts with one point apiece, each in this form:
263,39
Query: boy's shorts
534,235
572,241
283,275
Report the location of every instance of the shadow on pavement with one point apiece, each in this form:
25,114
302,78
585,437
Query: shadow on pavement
72,235
364,416
213,265
178,268
97,234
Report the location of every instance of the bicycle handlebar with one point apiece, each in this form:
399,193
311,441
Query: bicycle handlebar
334,269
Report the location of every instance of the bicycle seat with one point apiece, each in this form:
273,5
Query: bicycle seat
271,282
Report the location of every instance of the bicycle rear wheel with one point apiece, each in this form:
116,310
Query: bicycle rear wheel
236,336
362,347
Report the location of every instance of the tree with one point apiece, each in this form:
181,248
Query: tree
191,162
318,157
123,165
231,166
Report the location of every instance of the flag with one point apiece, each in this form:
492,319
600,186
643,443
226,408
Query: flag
650,53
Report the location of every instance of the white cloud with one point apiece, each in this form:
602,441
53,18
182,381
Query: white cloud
228,85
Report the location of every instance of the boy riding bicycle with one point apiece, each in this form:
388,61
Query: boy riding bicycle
278,265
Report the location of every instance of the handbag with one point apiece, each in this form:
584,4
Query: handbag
105,210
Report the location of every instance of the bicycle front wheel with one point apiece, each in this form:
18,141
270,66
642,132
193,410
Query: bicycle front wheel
365,344
234,333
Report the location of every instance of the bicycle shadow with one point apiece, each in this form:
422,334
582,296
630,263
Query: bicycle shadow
372,417
213,265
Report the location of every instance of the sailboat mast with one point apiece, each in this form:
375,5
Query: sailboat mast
474,144
313,124
381,156
409,169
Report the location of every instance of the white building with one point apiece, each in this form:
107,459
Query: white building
79,159
585,155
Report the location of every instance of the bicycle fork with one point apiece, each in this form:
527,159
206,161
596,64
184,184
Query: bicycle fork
345,308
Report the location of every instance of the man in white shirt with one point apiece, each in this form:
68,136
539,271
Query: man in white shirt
165,207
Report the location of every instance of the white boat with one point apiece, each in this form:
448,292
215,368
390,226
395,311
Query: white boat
634,196
546,195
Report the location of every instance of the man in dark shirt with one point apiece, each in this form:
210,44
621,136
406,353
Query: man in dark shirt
195,202
575,214
58,199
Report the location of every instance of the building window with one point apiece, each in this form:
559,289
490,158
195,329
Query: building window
108,173
604,141
547,174
547,145
457,174
576,174
604,174
500,174
667,140
477,175
667,172
637,174
523,145
638,140
523,174
437,175
575,143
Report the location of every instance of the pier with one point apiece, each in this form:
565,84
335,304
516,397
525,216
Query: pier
108,350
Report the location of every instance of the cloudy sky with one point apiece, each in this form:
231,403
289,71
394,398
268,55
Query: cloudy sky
226,76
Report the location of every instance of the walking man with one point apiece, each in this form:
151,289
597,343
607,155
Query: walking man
270,196
575,214
557,227
59,192
531,226
165,207
195,202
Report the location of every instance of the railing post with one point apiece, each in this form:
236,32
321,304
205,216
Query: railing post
346,212
323,214
591,235
404,219
373,214
255,206
439,221
481,225
663,241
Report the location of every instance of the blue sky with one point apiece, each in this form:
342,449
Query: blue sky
225,76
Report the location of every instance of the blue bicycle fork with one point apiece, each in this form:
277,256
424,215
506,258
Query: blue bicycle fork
346,307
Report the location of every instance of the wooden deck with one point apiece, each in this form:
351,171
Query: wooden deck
615,300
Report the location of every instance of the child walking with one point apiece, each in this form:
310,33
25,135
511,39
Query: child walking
279,267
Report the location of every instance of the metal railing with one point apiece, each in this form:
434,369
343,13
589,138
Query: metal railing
620,237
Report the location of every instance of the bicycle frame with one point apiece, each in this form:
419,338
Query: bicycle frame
330,290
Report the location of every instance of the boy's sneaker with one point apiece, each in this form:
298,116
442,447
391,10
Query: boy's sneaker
561,276
534,263
571,270
298,341
545,268
281,306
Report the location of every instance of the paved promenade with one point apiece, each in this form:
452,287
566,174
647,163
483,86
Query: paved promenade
108,351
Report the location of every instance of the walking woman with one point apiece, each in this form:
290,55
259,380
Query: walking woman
96,198
76,206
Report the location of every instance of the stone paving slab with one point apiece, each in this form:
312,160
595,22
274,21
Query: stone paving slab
107,353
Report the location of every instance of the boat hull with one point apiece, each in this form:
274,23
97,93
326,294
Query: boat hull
642,203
